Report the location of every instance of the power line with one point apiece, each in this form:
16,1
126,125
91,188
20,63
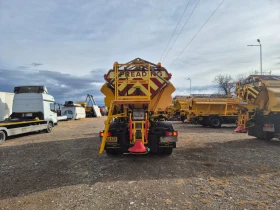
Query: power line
175,30
182,29
197,32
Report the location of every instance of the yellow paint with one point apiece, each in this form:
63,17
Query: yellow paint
163,99
19,123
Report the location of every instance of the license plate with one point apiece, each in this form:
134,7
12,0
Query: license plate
268,127
112,139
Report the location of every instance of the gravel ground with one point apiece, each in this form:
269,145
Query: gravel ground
210,169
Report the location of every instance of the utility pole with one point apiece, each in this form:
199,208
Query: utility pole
258,40
190,86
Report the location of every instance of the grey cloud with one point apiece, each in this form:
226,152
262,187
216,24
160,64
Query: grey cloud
36,64
62,86
74,36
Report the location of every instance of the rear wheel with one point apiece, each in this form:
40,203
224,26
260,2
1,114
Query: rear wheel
215,122
268,136
167,150
2,137
109,151
183,118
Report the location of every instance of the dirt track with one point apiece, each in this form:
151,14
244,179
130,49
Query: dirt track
210,169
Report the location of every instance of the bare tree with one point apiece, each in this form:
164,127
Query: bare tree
241,78
223,83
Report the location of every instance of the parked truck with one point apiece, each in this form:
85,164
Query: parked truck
211,110
137,94
181,105
33,110
171,112
73,111
6,104
259,110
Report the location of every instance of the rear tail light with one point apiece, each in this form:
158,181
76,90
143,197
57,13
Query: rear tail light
171,133
101,134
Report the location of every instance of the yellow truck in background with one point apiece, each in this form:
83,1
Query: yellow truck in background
181,105
259,110
170,112
137,94
211,110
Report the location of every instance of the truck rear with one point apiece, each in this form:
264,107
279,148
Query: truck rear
137,94
259,110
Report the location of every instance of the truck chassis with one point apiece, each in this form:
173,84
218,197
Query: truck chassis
13,128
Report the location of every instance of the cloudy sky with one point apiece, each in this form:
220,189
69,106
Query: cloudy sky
69,45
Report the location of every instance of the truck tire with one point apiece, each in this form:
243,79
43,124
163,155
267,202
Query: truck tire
215,122
2,137
111,152
49,128
268,136
167,151
183,118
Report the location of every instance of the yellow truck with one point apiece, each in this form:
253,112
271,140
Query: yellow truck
137,94
181,105
259,110
210,110
170,112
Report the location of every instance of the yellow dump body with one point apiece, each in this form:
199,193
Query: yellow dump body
181,104
152,88
83,104
211,106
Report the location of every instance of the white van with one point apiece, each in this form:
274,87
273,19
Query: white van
73,111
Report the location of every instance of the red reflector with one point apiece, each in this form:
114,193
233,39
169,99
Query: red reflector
109,134
168,133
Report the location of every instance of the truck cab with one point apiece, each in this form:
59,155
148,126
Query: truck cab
32,102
